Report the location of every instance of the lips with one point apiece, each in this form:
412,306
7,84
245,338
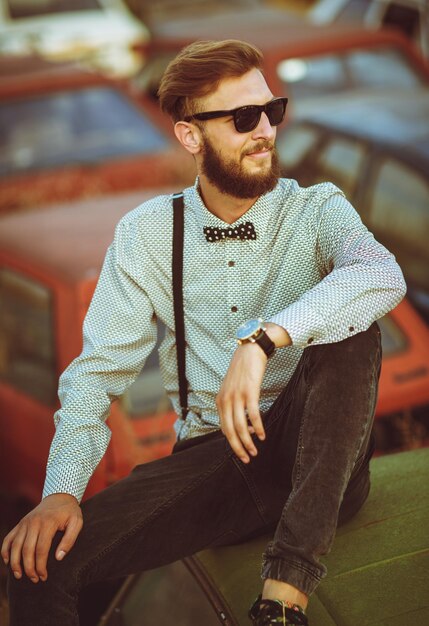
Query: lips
258,153
259,149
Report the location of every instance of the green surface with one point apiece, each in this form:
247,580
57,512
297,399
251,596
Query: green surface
378,569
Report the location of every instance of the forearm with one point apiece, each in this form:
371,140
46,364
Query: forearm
360,281
278,335
344,303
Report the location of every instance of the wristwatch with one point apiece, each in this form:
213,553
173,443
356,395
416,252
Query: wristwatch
254,331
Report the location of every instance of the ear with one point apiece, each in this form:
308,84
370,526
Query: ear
189,136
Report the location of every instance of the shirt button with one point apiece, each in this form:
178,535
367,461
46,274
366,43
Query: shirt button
231,263
310,340
351,328
234,309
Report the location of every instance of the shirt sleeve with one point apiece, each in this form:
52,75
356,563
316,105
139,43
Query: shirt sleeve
360,280
119,333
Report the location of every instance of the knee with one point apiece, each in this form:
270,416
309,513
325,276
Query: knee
348,370
365,350
360,350
368,340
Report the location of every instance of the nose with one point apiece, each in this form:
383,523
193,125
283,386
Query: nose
264,130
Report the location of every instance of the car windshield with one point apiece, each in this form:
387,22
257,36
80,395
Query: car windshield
358,69
33,8
72,127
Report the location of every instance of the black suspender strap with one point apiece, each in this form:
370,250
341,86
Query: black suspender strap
177,269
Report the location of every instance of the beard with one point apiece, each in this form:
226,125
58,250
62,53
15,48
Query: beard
231,178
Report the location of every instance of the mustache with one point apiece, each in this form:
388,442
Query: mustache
259,146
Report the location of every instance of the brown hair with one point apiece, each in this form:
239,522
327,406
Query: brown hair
197,71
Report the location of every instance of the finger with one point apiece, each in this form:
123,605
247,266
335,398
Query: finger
235,443
240,422
6,545
16,551
28,552
67,542
228,428
254,416
43,546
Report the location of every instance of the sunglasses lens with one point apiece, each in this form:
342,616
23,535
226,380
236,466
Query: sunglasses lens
247,118
276,111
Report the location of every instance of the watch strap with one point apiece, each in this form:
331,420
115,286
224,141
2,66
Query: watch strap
265,343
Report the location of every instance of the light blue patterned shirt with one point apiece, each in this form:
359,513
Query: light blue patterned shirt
314,269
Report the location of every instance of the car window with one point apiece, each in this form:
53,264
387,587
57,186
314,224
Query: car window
310,77
407,18
147,395
340,162
399,214
73,127
27,359
393,340
294,144
32,8
147,600
382,68
353,10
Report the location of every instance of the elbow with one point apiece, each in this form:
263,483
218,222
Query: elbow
398,286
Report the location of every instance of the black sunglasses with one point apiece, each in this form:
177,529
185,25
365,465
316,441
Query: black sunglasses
247,118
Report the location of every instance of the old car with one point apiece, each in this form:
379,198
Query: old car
50,260
306,62
103,34
378,569
67,133
409,16
376,149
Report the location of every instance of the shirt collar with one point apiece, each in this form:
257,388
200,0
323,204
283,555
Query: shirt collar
260,213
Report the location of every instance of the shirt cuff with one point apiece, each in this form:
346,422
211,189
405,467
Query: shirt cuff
303,325
65,479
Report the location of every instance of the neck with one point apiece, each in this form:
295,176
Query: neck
227,208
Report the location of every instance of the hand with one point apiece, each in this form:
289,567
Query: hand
31,539
238,399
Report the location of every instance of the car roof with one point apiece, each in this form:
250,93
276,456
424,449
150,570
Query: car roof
398,120
270,29
23,75
69,241
378,565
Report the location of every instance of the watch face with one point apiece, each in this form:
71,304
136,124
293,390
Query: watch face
248,329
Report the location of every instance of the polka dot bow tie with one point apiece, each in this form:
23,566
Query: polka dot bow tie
242,231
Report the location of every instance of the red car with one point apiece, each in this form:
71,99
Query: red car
66,133
49,264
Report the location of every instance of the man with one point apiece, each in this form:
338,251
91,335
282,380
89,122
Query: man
277,433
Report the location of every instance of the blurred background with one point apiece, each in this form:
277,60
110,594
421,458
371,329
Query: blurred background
82,141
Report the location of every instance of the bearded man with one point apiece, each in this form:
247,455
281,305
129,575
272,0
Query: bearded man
282,287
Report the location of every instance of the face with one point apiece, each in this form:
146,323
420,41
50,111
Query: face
243,165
